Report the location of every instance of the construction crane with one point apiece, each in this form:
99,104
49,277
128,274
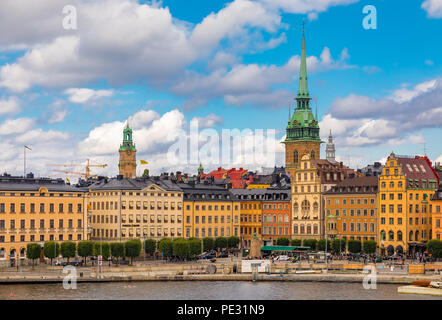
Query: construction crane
86,174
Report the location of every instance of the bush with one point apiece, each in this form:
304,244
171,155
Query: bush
194,247
233,242
133,248
181,248
117,250
322,243
296,242
310,243
338,245
220,243
354,246
370,246
282,241
165,246
103,249
51,250
150,246
208,244
68,249
33,251
435,248
85,249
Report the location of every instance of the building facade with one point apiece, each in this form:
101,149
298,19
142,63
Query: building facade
405,187
436,214
276,216
39,210
123,209
128,155
351,209
302,132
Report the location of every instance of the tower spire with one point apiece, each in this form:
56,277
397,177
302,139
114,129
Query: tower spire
303,87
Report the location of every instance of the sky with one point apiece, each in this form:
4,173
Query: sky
71,77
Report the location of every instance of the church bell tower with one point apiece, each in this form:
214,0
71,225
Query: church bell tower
128,160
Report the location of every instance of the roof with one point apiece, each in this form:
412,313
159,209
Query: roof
356,185
417,168
133,184
262,194
324,166
437,195
283,248
15,183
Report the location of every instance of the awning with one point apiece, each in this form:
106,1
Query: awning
283,248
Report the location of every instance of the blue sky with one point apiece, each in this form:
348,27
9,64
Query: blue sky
228,64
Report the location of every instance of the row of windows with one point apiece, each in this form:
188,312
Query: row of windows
32,238
32,207
131,193
32,225
13,194
352,212
410,221
305,206
250,230
399,208
275,217
307,189
111,205
222,219
210,207
153,232
275,206
411,184
399,237
352,201
360,227
215,230
302,229
250,218
275,231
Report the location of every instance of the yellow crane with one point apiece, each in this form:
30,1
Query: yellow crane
86,174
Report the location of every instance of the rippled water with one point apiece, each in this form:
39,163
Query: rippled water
212,290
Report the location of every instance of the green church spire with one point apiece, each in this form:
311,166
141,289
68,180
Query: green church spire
127,139
303,87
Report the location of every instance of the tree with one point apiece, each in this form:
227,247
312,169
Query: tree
233,242
133,248
165,246
194,247
117,250
282,241
181,248
310,243
220,243
51,250
102,249
68,249
321,245
33,251
296,242
146,175
150,246
435,248
338,245
370,246
85,249
208,244
354,246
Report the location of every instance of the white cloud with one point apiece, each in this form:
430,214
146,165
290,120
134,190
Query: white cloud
82,95
433,8
14,126
10,105
208,121
404,95
305,6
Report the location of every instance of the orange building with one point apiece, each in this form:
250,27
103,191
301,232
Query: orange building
436,214
276,216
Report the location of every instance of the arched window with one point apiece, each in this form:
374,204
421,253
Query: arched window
295,156
315,229
2,253
390,235
305,206
391,184
416,237
410,236
295,229
309,229
312,155
399,236
315,207
295,207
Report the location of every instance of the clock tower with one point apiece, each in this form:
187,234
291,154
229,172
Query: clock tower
128,160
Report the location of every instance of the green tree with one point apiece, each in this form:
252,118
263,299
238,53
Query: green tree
33,251
165,246
282,241
321,245
146,175
117,250
220,243
354,246
150,246
435,248
51,250
194,247
181,248
85,249
68,249
103,249
133,248
338,245
208,244
370,246
296,242
310,243
233,242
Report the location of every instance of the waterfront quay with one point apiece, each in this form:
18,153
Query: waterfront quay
337,271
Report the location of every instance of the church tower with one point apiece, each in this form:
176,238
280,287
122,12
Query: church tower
330,149
302,133
128,160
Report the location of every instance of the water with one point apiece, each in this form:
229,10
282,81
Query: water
202,290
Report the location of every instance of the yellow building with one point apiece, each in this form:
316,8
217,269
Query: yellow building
250,213
405,187
436,214
351,209
209,211
123,209
39,210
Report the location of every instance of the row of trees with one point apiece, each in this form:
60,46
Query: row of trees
335,245
183,248
435,248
